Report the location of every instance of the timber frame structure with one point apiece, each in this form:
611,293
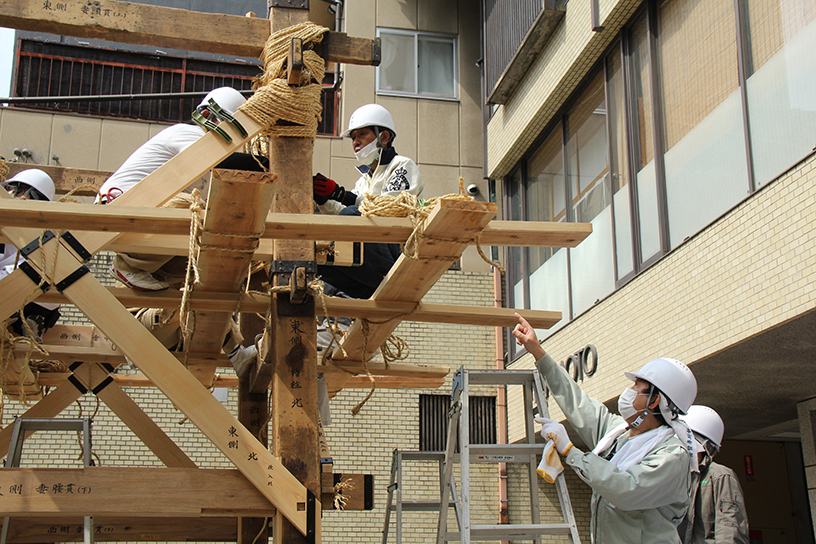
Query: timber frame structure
249,216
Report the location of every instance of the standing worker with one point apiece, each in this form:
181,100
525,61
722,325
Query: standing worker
716,514
384,172
640,479
31,184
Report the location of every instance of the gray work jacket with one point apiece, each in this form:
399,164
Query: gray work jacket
717,512
644,503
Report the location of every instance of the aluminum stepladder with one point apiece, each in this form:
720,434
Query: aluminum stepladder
396,502
525,452
18,433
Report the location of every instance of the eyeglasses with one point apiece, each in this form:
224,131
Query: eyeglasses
708,446
22,190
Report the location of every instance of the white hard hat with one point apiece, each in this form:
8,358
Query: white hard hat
36,179
226,97
706,422
370,115
673,378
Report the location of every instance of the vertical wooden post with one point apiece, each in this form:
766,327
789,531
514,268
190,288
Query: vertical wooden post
292,345
252,412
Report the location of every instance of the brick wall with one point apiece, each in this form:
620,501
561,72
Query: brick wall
360,444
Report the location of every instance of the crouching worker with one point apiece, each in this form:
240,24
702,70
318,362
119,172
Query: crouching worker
144,272
639,471
384,172
717,509
32,184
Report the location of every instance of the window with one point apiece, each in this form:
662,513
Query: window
417,64
51,69
433,421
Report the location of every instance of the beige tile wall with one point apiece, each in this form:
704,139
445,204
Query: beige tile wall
745,274
565,61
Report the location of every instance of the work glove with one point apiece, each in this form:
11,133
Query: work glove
552,430
325,189
550,466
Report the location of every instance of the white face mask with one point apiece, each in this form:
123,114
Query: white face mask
368,154
626,403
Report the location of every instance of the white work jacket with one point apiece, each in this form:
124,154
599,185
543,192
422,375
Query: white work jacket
644,503
393,175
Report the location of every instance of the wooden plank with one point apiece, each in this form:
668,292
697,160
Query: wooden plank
151,492
231,227
454,221
140,24
66,179
112,355
172,226
377,310
161,27
121,529
136,419
51,379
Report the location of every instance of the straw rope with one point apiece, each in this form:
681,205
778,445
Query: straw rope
407,205
285,110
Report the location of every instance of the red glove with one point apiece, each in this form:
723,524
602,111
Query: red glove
325,189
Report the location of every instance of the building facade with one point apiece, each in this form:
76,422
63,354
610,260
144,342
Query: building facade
683,131
438,114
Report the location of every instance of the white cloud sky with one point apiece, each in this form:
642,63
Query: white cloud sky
6,60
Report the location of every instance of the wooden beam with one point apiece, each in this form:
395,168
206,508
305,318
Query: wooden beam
122,529
105,354
376,310
288,350
454,221
230,233
134,417
161,27
171,227
66,179
151,492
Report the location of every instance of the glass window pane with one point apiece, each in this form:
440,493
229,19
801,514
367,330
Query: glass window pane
546,201
397,71
706,171
619,165
781,64
436,66
592,261
643,141
515,266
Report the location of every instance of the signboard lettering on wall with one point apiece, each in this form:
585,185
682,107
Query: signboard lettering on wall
749,467
583,362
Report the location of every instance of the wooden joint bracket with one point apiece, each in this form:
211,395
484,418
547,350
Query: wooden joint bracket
294,61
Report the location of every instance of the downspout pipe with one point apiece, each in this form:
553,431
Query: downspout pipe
501,404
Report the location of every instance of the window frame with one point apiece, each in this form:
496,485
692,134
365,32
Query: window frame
418,35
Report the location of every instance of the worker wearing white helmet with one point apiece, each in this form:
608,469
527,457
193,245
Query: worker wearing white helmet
716,512
640,466
154,272
384,172
31,184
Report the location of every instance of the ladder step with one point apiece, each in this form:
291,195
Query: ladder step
486,453
423,506
514,532
500,377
